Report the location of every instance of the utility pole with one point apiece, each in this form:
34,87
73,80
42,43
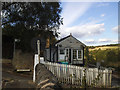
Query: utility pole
38,45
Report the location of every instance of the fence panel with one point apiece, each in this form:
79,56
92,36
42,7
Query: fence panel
71,74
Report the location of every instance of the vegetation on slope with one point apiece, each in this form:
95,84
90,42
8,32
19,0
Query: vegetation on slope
106,55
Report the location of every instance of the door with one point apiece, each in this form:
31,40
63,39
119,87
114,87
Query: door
67,54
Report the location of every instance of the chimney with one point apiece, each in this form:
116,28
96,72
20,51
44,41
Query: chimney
47,43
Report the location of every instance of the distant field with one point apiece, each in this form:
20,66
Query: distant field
104,48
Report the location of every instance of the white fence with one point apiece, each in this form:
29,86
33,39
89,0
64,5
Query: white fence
36,61
75,75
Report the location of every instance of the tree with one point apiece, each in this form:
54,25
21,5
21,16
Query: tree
87,56
111,56
25,20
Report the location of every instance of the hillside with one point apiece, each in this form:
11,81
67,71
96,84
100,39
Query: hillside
107,55
104,47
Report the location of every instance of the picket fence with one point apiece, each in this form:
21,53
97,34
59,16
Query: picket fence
77,75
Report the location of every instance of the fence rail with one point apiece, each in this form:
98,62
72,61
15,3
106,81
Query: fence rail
76,75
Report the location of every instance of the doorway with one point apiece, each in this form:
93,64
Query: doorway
68,55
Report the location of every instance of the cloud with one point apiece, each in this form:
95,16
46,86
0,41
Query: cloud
114,41
84,30
73,10
100,41
104,40
102,15
90,41
115,29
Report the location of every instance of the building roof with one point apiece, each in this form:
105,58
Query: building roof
62,39
68,37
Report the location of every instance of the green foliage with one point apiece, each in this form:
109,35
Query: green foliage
26,20
111,56
32,15
87,56
105,57
87,53
92,47
108,55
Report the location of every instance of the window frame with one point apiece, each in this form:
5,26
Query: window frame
77,53
81,55
63,52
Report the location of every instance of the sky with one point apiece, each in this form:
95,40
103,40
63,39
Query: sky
93,23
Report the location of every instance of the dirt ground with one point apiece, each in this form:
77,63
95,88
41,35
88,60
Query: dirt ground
12,79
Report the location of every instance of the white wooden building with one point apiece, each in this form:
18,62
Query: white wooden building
67,49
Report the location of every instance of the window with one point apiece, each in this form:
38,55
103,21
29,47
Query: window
61,51
74,54
77,54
